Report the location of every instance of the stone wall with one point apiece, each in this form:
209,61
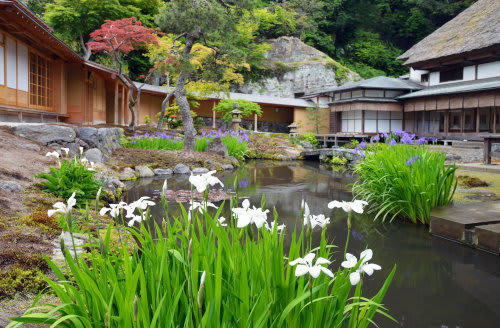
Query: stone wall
262,126
95,142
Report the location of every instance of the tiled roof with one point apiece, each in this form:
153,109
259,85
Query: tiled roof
378,82
257,98
453,88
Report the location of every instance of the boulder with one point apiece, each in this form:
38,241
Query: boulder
233,160
163,172
216,147
182,169
228,167
94,155
200,170
89,135
10,186
144,171
32,147
45,134
127,174
306,144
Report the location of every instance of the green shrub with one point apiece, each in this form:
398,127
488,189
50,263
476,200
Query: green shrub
404,180
351,144
311,138
337,161
147,119
294,139
248,108
72,176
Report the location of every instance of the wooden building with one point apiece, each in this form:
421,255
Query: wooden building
277,114
459,64
44,80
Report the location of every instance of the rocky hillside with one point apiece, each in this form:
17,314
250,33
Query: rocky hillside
294,68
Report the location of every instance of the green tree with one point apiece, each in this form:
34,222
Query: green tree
212,22
317,117
248,108
74,20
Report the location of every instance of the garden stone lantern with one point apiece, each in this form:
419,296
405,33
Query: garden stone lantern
293,129
236,120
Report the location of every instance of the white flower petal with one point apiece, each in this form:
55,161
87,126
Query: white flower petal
366,255
246,204
301,270
350,261
354,277
243,221
327,271
369,267
309,258
298,261
334,204
322,260
315,271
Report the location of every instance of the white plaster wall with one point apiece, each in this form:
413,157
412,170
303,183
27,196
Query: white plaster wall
434,78
469,73
488,70
11,63
22,68
415,74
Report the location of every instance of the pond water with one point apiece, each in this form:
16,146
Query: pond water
437,284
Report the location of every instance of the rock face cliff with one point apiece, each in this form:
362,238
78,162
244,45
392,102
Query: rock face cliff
293,68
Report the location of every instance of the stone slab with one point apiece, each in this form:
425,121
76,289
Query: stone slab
488,237
452,221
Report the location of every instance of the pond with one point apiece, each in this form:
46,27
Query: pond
438,283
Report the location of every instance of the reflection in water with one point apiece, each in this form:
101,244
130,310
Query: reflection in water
437,283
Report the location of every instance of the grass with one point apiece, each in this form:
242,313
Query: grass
248,280
404,180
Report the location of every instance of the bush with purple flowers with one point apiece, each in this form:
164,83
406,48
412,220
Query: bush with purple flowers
403,179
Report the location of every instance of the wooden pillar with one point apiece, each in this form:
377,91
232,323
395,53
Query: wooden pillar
138,111
446,121
122,107
255,122
494,120
116,102
214,115
363,122
477,120
125,106
487,151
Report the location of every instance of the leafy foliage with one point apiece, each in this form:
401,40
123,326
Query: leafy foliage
192,271
225,106
404,181
71,176
311,138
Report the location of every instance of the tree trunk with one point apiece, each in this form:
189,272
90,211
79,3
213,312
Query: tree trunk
131,100
87,52
180,95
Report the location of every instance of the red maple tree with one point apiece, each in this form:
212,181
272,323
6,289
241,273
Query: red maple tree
119,37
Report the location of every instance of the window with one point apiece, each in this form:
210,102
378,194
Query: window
351,121
469,120
440,117
451,75
424,78
41,88
484,119
455,123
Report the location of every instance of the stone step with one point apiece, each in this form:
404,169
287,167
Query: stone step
477,225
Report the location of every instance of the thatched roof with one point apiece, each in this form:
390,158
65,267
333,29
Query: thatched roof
476,28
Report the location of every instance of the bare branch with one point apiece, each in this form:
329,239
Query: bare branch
209,46
222,2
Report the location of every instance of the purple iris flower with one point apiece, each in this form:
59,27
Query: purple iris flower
398,133
376,138
421,141
411,160
362,145
433,140
136,135
386,135
392,143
